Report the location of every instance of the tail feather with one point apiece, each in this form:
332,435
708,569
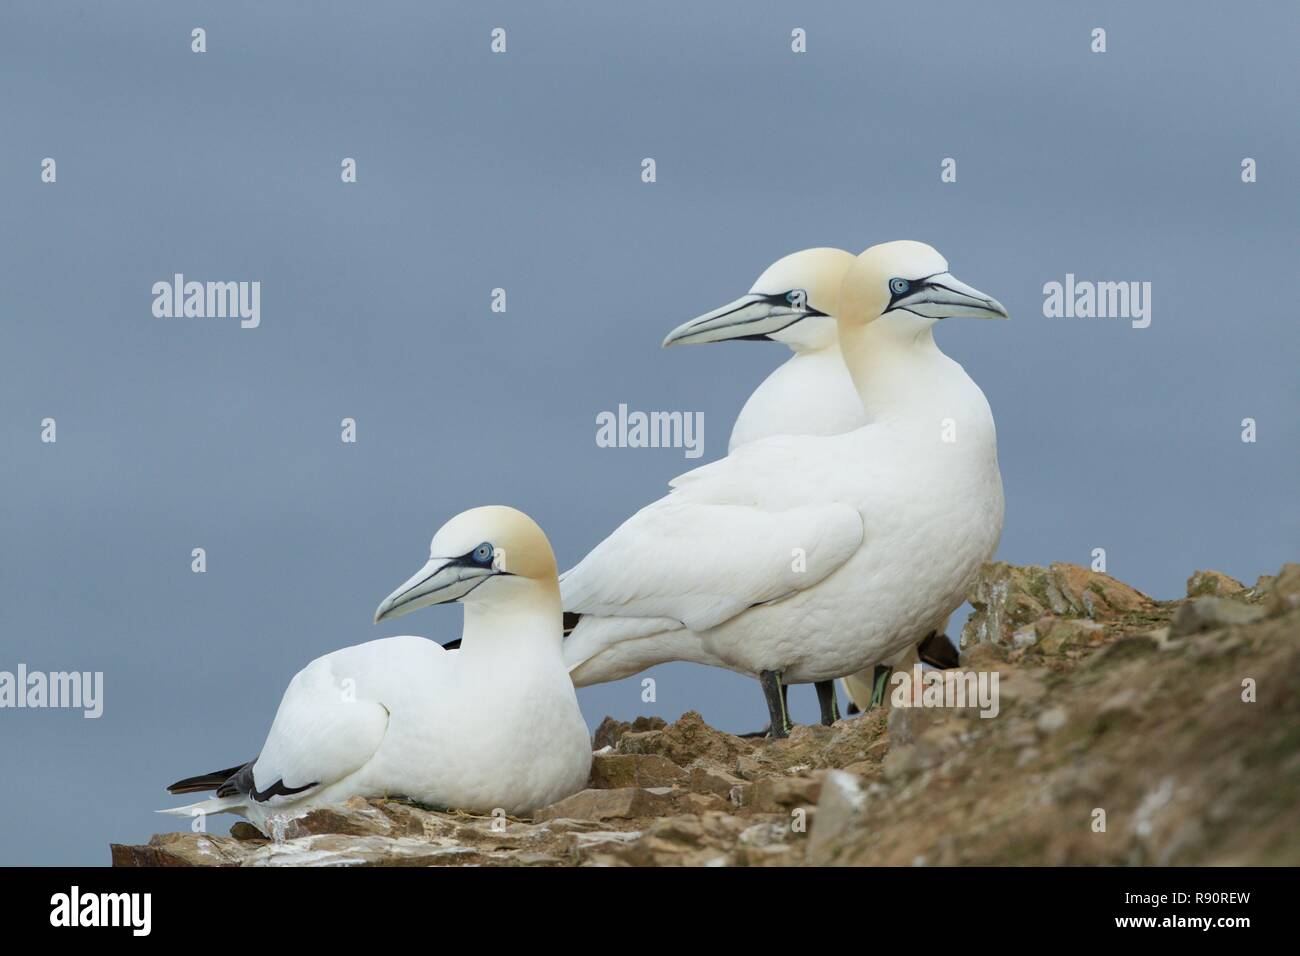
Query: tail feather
234,804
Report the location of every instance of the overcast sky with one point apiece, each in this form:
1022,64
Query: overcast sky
522,171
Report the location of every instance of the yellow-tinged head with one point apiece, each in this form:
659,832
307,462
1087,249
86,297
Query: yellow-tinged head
470,550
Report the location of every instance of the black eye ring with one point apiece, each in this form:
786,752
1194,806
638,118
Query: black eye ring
899,286
797,297
482,555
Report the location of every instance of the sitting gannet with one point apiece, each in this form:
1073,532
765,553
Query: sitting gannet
402,716
803,558
793,302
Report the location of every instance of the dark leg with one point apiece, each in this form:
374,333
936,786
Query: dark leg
879,679
826,698
772,692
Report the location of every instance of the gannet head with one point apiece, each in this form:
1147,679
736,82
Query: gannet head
473,548
793,301
907,285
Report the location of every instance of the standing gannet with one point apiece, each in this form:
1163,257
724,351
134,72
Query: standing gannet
802,558
402,716
794,302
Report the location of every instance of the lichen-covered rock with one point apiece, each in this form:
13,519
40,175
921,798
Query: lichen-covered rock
1213,584
1007,598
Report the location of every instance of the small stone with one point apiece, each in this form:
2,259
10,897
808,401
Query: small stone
1212,583
774,794
610,730
684,741
1052,720
1026,636
356,817
610,771
840,808
899,762
243,830
1060,634
705,779
624,803
1211,613
1284,590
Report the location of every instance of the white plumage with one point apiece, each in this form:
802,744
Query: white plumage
890,521
493,725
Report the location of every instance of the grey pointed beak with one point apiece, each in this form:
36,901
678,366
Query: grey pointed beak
752,316
441,580
944,296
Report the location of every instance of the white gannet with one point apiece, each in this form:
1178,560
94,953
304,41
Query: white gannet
803,558
793,302
402,716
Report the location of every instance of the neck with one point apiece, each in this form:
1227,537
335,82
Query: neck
524,625
899,373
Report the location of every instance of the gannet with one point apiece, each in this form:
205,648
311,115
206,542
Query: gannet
804,558
794,302
402,716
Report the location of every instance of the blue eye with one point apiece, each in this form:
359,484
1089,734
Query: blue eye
797,297
482,554
899,286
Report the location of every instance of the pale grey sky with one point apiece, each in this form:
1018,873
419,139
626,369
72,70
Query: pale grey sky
522,171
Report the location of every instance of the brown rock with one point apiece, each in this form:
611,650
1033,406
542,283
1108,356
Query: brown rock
1284,590
183,849
776,794
1211,613
1145,725
610,730
686,740
616,771
839,810
1212,583
243,830
705,779
1006,598
623,803
1056,635
357,817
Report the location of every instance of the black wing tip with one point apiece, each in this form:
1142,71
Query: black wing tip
207,781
